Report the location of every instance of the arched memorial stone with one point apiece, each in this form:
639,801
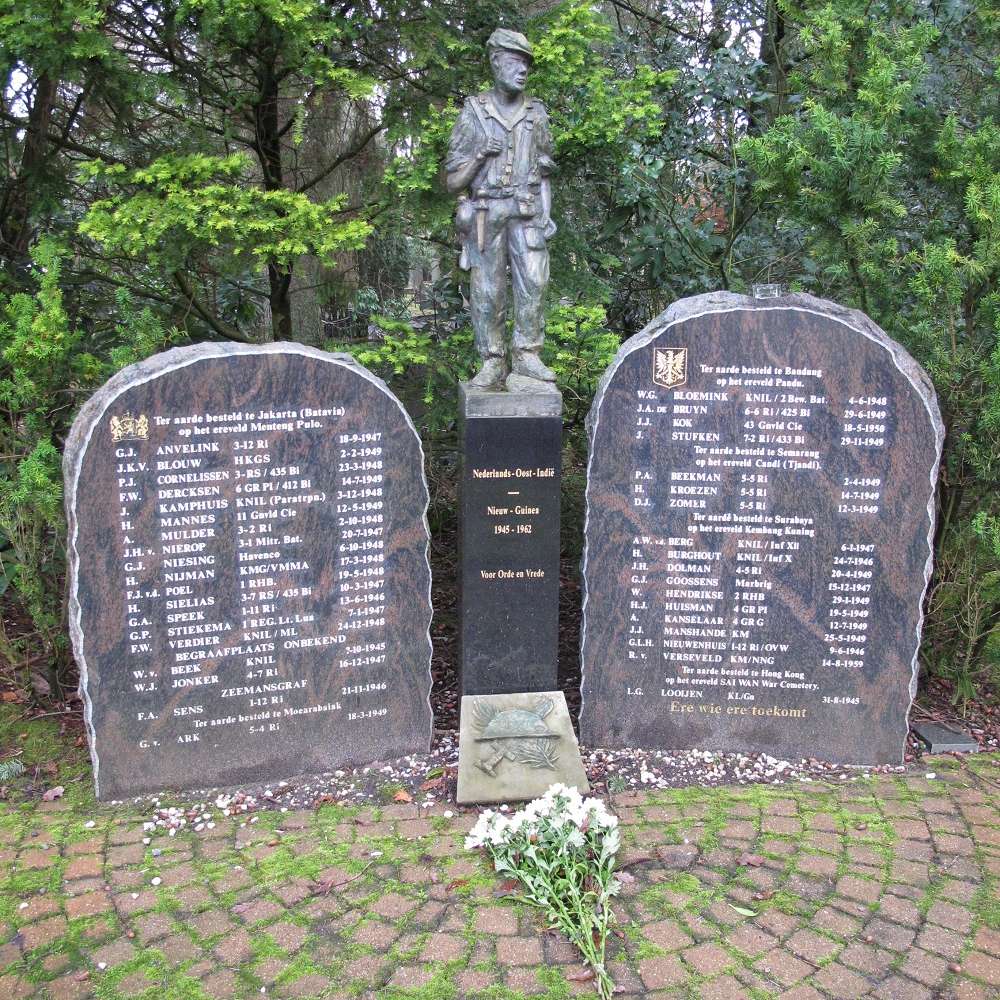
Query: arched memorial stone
760,509
249,584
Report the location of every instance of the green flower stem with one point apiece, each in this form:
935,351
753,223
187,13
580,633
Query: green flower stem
578,922
561,848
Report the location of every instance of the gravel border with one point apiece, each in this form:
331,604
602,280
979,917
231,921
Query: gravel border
429,780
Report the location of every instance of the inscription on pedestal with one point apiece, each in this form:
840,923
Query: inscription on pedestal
759,517
511,447
249,578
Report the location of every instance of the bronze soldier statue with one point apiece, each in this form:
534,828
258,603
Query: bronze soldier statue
499,161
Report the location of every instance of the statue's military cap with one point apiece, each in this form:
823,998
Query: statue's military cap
513,41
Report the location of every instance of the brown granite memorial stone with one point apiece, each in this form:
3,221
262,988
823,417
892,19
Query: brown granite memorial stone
760,507
249,584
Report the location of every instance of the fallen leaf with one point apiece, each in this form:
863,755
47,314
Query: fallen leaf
432,783
402,796
40,686
10,696
678,855
753,860
335,879
763,895
456,884
744,911
640,860
505,888
53,793
582,977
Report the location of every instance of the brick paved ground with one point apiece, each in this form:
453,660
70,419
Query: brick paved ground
884,888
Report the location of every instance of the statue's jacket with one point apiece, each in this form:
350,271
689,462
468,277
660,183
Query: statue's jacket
508,186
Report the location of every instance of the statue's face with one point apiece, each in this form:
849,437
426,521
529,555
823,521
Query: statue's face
510,70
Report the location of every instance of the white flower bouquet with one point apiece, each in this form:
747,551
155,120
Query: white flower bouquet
561,848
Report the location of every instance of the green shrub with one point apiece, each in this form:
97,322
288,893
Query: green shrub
46,370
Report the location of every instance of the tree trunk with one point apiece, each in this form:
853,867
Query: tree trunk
772,55
268,134
279,280
333,127
15,220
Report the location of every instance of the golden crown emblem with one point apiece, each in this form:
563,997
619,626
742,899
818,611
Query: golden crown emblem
129,428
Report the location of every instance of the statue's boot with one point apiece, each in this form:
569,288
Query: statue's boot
529,365
493,372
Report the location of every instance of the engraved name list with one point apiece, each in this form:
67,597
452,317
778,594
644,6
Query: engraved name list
757,535
259,603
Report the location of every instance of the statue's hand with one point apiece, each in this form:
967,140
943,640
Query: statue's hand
493,147
550,229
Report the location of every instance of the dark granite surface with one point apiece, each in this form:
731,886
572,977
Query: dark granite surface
509,531
940,738
250,590
749,586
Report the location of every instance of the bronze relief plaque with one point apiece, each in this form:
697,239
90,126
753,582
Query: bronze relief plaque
512,747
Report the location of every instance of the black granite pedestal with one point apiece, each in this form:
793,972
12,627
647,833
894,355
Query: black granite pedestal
511,444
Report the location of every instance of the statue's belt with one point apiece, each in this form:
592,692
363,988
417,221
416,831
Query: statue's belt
512,191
